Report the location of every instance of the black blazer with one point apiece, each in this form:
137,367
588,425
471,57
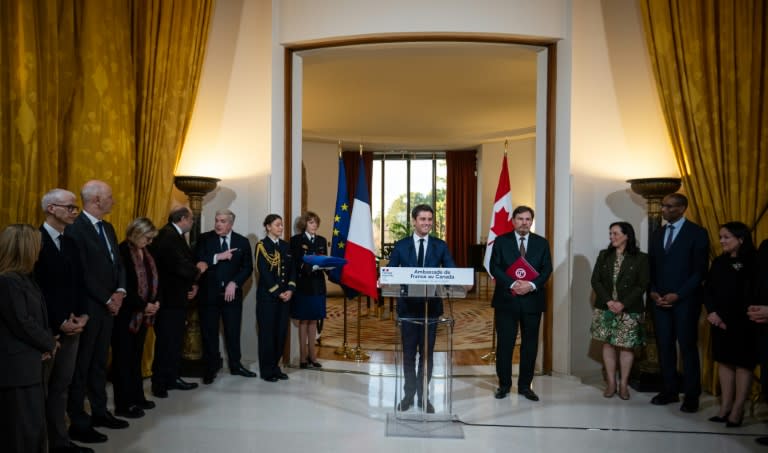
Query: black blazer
682,269
24,333
505,252
59,274
631,283
132,302
176,266
103,275
239,269
274,279
761,285
308,282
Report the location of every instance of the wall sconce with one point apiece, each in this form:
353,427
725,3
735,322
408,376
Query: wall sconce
646,373
194,187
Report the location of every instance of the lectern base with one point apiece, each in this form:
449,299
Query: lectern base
426,428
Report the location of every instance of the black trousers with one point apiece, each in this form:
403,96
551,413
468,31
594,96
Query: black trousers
507,322
679,326
22,420
127,350
90,377
272,321
170,324
231,316
412,334
60,372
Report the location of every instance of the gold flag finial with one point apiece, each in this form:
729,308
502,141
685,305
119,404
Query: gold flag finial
506,142
339,149
361,149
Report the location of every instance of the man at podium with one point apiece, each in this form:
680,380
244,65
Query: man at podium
419,250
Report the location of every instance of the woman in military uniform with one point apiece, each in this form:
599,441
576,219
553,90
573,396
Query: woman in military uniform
275,289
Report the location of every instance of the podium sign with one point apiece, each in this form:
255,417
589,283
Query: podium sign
427,276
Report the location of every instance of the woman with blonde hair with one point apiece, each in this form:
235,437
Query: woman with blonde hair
135,315
25,342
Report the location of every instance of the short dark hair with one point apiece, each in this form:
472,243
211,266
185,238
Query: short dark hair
681,199
418,209
626,228
270,218
179,213
521,209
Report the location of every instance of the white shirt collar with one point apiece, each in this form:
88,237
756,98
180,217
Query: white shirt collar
93,219
177,228
52,232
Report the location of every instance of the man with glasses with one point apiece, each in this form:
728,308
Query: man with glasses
678,255
60,276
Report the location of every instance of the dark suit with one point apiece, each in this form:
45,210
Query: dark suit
60,277
103,274
276,275
212,306
176,266
308,301
680,270
761,297
525,310
404,254
24,337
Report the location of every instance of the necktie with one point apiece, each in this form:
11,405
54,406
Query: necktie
224,245
103,237
522,246
668,244
58,240
421,253
312,239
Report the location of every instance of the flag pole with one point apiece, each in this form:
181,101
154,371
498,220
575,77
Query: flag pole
357,352
344,350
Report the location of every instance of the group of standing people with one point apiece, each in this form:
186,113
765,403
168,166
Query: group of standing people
71,291
679,278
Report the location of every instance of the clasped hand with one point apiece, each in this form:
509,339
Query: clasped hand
665,301
521,287
615,306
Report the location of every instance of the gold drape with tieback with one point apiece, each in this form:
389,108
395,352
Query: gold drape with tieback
709,64
97,90
169,45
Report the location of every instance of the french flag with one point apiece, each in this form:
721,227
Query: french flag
360,271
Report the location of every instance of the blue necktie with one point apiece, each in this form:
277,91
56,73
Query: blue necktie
224,245
421,253
668,244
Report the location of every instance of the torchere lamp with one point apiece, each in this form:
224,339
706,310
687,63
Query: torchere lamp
646,376
194,187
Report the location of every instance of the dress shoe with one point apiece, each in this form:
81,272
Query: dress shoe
690,405
762,440
282,376
430,407
719,419
209,378
730,424
146,404
609,392
133,411
303,365
663,399
181,384
624,393
315,363
159,391
501,392
71,448
87,435
271,378
405,404
239,370
529,394
109,421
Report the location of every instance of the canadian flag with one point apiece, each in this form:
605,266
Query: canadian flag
360,271
501,220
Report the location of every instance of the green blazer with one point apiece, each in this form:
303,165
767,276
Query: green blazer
631,283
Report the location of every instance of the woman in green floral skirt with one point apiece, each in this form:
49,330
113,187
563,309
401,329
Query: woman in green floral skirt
619,279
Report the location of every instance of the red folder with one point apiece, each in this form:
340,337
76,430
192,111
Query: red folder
522,270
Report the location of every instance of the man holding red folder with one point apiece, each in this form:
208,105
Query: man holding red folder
521,264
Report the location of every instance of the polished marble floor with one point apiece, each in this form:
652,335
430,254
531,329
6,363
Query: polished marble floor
344,408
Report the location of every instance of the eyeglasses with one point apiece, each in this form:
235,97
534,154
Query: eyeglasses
69,207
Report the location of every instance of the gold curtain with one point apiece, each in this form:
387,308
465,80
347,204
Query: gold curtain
169,41
33,90
710,67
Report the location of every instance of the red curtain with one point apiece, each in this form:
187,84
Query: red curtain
461,204
351,167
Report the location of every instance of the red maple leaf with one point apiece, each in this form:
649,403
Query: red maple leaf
501,222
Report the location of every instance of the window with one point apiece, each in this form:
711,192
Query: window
399,182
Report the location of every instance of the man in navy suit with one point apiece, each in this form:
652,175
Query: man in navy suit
678,256
758,312
59,274
419,250
227,258
104,290
519,301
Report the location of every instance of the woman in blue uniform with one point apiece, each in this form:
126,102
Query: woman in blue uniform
275,289
308,303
